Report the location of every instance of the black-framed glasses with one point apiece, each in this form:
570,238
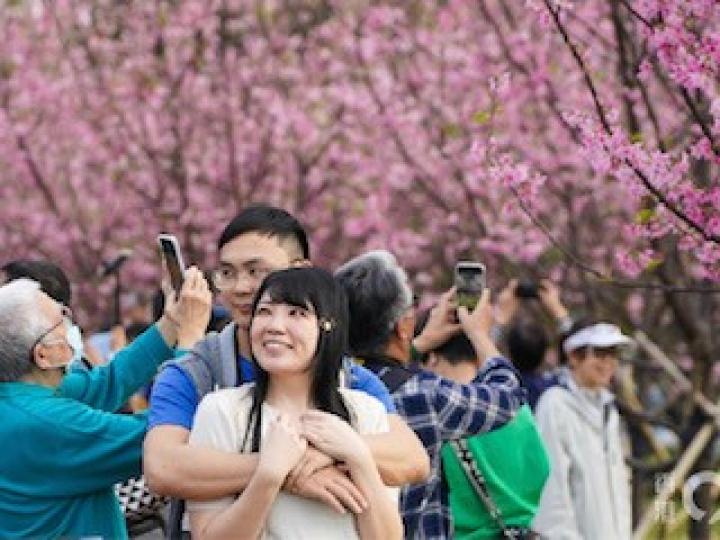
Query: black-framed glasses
67,317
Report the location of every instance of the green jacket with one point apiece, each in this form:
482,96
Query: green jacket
63,449
515,465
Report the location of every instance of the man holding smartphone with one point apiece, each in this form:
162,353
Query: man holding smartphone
260,240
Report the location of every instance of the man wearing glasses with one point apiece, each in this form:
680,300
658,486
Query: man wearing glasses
261,239
63,449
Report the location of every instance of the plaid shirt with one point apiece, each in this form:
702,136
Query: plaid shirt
439,410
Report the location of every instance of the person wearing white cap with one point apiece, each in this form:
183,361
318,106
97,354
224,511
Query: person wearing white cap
587,496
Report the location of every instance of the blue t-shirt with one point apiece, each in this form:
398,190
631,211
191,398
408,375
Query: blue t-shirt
174,399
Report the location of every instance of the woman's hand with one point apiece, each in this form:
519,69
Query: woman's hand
549,295
282,448
334,436
191,311
312,461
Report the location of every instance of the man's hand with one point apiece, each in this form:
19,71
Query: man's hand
191,311
331,434
312,461
332,487
441,324
549,296
507,304
477,325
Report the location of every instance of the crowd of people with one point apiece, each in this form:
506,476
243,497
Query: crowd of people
325,406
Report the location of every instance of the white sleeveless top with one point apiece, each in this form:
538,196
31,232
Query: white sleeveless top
220,423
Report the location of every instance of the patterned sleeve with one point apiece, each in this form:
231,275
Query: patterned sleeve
460,410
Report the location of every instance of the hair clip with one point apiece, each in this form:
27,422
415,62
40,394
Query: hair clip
326,325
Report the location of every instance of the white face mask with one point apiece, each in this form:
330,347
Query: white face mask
74,339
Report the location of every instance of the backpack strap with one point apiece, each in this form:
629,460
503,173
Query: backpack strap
218,347
173,530
391,372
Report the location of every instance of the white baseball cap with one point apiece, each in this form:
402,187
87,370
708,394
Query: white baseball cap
597,335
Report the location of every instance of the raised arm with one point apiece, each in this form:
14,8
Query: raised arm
108,387
492,398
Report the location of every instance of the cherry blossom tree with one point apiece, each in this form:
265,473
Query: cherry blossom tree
578,140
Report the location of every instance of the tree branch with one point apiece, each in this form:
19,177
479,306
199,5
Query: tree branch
657,194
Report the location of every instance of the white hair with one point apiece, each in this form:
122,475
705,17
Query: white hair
379,295
22,322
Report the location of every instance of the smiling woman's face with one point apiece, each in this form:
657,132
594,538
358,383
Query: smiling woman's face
283,337
594,368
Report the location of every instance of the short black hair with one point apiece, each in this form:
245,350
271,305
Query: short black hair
456,350
50,276
267,220
527,344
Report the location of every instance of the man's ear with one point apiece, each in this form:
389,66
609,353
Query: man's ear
405,328
41,357
301,263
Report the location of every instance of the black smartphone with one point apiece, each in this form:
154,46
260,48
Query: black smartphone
170,250
526,289
470,280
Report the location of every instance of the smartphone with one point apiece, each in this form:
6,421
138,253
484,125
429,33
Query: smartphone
170,250
470,280
526,289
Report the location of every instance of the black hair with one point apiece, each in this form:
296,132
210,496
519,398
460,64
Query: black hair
133,330
50,276
218,318
267,220
456,350
527,344
305,287
577,325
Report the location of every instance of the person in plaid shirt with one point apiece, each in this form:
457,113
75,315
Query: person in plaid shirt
437,409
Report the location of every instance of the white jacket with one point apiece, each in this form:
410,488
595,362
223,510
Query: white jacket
587,496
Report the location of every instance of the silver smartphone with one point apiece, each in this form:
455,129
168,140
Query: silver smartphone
170,250
470,280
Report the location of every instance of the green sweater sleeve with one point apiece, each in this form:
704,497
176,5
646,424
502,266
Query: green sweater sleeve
75,450
107,387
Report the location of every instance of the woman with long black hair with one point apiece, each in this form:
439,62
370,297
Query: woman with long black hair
298,334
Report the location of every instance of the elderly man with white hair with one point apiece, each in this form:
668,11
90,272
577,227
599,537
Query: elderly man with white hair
382,321
587,496
63,449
